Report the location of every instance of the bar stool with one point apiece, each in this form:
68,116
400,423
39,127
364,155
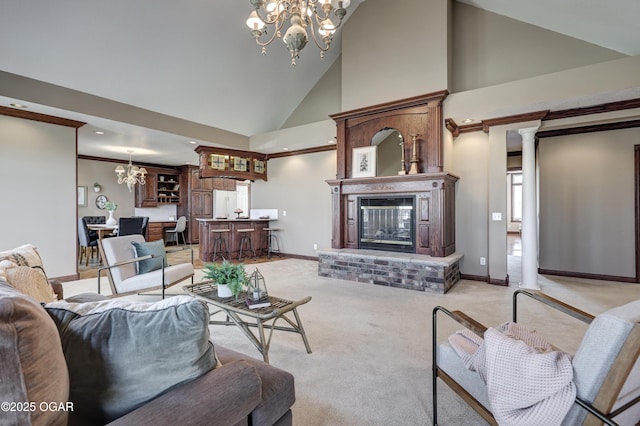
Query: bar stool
245,240
220,241
273,241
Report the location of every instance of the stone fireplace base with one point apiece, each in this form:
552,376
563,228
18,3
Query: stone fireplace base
402,270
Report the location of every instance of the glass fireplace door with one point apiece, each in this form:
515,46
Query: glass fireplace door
387,224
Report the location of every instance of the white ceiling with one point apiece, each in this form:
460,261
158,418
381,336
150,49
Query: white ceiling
195,60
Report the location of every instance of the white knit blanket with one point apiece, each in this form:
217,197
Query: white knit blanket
527,381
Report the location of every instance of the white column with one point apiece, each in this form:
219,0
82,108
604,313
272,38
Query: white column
529,211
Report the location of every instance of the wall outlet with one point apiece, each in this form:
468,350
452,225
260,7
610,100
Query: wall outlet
497,216
284,213
315,247
483,261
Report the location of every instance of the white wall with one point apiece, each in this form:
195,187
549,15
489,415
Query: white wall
38,171
297,186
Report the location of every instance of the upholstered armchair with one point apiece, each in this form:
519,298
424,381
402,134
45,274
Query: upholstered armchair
602,379
133,265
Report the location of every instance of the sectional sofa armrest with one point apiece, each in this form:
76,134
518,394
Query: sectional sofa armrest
225,395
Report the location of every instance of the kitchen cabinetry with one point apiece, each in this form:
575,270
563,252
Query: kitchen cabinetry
162,187
223,184
231,163
198,203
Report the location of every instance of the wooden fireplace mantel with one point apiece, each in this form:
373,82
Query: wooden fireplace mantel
419,115
435,208
432,187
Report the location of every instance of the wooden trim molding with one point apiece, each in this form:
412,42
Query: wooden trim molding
473,127
548,115
589,129
302,151
510,119
113,160
44,118
452,127
480,278
393,105
594,109
586,275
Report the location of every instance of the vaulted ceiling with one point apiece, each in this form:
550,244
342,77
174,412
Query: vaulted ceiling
156,75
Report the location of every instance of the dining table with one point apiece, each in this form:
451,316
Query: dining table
102,229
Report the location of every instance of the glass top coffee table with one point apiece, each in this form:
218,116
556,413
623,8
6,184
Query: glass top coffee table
239,314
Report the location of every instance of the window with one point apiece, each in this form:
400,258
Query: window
516,197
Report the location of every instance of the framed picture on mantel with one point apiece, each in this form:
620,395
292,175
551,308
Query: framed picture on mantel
363,162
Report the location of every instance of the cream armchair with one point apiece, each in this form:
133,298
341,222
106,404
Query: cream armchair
134,266
606,370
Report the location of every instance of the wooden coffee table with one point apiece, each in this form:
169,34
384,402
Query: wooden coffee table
240,315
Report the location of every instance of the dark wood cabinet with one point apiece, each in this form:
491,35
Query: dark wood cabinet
224,184
162,187
198,202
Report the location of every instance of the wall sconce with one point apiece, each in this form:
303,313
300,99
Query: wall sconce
97,187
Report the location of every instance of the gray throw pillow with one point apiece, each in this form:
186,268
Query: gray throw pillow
123,354
155,248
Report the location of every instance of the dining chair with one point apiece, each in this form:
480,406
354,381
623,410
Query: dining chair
181,225
86,243
130,226
93,220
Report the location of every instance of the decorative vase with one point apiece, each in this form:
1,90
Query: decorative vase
111,221
224,290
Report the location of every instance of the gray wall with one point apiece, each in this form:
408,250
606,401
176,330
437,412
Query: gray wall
38,171
489,49
90,171
297,185
587,203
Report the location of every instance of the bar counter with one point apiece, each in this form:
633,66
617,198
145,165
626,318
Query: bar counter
259,235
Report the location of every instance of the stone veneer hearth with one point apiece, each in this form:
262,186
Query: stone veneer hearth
402,270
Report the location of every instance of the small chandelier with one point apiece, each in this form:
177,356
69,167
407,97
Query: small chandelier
134,174
302,14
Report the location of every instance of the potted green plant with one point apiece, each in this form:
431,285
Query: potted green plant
230,278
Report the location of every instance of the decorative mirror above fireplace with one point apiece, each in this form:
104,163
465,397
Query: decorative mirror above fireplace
390,143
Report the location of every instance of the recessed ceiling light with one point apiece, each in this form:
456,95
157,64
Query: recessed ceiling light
15,105
193,142
467,120
285,149
98,132
331,142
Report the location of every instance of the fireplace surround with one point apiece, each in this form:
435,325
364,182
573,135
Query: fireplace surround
369,233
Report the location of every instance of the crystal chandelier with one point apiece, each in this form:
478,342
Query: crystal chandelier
301,14
134,174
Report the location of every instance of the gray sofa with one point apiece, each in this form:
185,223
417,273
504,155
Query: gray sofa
57,366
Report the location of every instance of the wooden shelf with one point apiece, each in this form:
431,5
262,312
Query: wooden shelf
162,187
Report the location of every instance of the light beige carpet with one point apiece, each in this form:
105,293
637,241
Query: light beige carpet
371,360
